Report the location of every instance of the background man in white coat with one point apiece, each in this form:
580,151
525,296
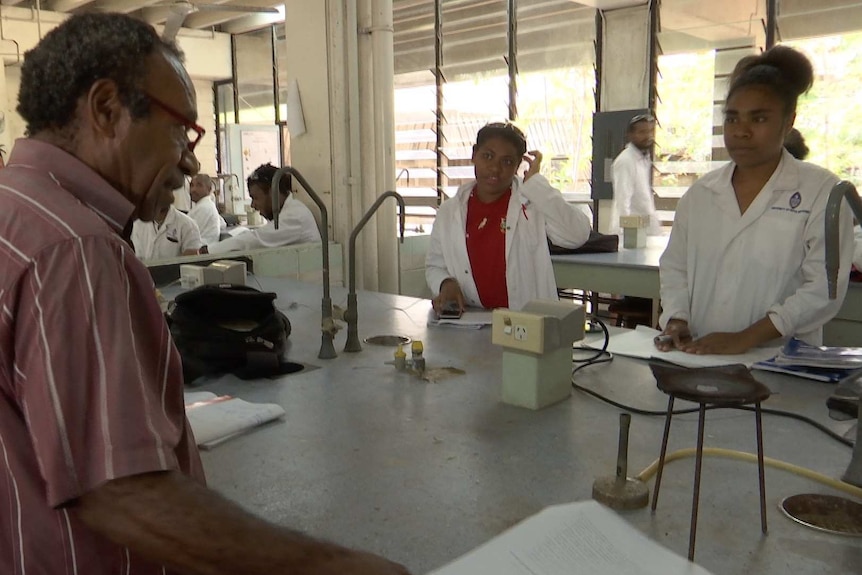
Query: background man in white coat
171,234
296,224
204,211
632,175
489,244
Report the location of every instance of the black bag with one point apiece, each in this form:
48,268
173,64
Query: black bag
596,244
228,329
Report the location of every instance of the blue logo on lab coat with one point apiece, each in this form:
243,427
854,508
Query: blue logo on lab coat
795,200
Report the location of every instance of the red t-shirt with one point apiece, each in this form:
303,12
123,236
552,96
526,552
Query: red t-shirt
486,248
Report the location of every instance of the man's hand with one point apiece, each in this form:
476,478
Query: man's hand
534,159
191,252
675,336
450,291
171,520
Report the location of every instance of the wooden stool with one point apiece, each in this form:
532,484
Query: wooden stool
722,386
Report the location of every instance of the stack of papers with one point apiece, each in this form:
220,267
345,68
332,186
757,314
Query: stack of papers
639,343
573,539
215,419
820,363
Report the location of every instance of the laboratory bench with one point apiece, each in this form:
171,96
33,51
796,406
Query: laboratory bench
635,272
423,472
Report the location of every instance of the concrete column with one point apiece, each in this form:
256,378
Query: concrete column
625,69
306,62
338,51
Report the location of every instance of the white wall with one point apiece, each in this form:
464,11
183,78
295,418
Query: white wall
207,57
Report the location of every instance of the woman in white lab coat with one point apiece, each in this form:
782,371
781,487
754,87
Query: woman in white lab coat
489,244
171,234
745,264
296,224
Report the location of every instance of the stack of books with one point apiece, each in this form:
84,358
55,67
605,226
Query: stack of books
820,363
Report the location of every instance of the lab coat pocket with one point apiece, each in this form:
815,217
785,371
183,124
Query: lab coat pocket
528,234
778,246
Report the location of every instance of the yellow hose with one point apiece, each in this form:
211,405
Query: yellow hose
651,469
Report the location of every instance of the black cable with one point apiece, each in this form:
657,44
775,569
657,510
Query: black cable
602,352
819,426
594,360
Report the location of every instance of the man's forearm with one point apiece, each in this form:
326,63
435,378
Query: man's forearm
171,520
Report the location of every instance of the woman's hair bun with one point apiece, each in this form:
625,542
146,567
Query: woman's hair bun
787,71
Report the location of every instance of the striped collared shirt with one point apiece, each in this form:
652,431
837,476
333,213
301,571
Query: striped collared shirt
90,381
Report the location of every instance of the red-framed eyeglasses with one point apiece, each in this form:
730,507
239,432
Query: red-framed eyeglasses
194,132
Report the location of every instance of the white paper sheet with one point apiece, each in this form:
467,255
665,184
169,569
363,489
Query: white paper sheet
215,419
582,538
639,343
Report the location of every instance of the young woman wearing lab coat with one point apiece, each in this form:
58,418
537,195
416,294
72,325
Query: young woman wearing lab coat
489,244
745,263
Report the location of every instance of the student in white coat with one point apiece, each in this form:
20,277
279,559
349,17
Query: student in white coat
170,234
296,224
489,244
632,175
745,261
204,211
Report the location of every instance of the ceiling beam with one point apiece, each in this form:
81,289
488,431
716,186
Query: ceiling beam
210,18
122,6
155,14
253,22
65,5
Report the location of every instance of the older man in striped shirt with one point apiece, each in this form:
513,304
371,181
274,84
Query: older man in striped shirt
100,470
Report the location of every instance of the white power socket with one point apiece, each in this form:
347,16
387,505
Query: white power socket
521,330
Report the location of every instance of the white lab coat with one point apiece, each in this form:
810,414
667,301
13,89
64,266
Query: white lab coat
206,216
296,225
632,181
529,273
723,271
175,235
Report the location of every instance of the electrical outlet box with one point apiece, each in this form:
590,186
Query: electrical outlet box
634,221
522,331
540,327
537,355
192,276
229,271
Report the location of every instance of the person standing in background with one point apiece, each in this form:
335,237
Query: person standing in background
632,175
